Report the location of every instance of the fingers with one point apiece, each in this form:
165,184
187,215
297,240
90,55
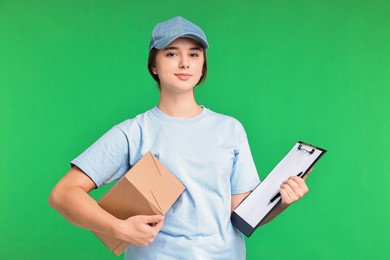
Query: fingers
298,183
153,224
292,190
141,230
152,219
158,226
150,234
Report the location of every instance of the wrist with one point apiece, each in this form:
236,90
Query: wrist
116,228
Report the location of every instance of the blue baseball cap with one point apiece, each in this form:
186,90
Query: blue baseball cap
166,32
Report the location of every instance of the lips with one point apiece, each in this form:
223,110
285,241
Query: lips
183,76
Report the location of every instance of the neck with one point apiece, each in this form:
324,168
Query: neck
181,105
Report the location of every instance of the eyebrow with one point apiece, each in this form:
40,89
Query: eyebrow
176,48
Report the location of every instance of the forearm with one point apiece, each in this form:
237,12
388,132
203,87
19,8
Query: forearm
80,209
71,199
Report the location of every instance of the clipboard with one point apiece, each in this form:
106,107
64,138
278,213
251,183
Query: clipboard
264,198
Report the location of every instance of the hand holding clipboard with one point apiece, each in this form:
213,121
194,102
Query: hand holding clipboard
263,199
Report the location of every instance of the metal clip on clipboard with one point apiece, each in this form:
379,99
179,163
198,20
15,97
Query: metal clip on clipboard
301,147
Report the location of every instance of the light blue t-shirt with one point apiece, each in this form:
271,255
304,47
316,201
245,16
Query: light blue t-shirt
209,154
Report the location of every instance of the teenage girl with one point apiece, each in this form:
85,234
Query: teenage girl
208,152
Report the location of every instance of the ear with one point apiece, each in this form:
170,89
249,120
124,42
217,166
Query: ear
154,70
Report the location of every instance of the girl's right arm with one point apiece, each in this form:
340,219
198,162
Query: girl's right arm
71,199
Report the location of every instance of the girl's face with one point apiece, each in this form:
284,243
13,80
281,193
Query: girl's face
179,65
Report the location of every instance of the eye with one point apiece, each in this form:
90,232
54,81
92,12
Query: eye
194,55
171,54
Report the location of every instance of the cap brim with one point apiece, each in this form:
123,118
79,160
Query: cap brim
163,44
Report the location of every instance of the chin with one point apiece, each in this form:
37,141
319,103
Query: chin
182,89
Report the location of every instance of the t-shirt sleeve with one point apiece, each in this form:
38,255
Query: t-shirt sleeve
244,176
107,159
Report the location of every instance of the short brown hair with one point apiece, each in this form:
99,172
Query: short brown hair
152,62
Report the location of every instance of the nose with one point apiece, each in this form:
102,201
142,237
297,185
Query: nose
184,64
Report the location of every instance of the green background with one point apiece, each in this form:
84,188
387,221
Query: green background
316,71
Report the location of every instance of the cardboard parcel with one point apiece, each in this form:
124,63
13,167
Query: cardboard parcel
148,188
